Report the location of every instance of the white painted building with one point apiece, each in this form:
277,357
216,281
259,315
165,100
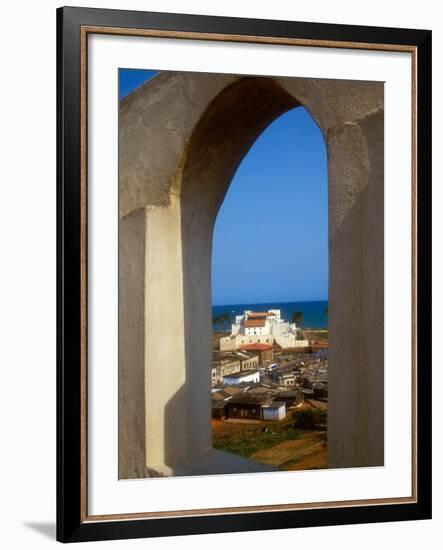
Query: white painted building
249,376
274,411
267,327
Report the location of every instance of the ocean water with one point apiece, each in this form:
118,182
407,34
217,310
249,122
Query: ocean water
314,313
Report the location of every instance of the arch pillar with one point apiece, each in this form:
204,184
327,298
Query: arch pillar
356,297
165,351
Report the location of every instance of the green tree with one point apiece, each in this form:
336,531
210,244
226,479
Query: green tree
297,317
309,419
221,319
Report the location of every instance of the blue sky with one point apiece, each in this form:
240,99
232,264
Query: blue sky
271,234
131,79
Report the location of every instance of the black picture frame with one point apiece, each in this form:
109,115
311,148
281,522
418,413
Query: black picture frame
72,526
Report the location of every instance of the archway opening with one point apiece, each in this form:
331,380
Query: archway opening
269,371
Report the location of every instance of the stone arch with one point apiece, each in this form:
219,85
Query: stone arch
182,137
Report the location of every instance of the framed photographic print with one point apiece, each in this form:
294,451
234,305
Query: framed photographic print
244,274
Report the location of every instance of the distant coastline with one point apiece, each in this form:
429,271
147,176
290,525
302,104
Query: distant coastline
314,312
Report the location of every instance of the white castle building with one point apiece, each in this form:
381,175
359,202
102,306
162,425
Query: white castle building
261,327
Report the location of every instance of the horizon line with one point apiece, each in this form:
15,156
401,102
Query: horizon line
270,302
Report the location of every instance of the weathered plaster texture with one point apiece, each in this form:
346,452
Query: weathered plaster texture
132,402
182,137
356,305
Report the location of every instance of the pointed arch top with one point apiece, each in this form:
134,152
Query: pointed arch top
176,125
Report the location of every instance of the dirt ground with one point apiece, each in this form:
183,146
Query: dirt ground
315,460
301,454
307,451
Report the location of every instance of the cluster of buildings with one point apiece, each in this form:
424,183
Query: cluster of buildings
236,365
264,368
258,401
262,327
268,393
311,377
